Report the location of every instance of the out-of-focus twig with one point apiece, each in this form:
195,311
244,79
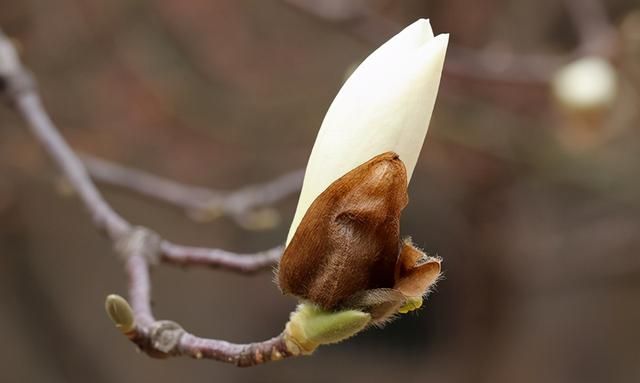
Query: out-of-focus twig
594,28
138,247
462,63
485,65
504,67
194,199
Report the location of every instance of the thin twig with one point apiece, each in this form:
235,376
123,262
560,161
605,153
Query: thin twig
504,67
30,108
462,63
139,247
215,258
105,218
486,66
167,338
595,31
236,204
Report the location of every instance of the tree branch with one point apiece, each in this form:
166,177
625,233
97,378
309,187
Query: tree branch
194,199
485,66
138,247
22,92
164,338
592,24
217,258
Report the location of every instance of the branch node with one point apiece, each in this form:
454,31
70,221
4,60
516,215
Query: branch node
165,335
140,241
14,79
15,83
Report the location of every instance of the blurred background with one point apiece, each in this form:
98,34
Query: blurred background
527,191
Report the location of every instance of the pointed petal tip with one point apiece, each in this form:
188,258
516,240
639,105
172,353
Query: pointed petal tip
442,39
422,27
422,23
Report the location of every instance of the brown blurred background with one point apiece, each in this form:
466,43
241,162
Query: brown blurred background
535,210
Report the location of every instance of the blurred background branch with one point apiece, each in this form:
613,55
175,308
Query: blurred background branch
501,66
200,203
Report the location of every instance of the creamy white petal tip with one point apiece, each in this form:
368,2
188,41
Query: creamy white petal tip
385,105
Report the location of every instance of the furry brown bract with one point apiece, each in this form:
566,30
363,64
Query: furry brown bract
347,251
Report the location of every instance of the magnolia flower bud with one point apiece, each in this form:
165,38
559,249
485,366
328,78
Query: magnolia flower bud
384,106
344,251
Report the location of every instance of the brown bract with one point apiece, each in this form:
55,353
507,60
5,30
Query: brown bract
347,251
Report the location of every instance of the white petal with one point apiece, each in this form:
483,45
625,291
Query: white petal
385,105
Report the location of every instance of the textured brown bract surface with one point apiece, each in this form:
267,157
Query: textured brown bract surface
415,271
349,239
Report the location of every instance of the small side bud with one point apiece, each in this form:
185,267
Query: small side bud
120,313
586,85
205,215
411,304
310,326
64,187
265,218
